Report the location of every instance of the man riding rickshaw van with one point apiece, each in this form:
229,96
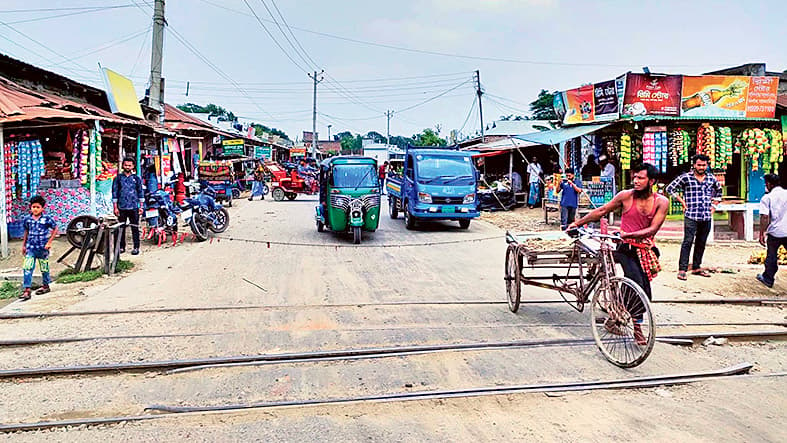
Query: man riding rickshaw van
349,196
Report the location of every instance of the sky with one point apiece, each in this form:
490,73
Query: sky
415,58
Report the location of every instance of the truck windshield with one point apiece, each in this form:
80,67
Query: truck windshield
445,170
355,176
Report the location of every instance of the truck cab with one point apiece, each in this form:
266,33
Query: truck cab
433,184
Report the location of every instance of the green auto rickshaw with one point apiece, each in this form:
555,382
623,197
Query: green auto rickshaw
349,195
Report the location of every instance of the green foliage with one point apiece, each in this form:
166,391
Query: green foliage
210,109
350,144
429,138
376,136
69,276
516,118
542,107
260,130
124,266
9,290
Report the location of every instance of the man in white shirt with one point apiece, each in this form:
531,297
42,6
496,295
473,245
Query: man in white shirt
607,170
773,226
534,172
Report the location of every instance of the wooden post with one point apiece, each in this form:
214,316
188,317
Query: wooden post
120,150
3,202
139,157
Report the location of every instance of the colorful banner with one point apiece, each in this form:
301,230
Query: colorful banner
262,152
579,105
233,147
559,105
652,95
605,102
763,93
297,152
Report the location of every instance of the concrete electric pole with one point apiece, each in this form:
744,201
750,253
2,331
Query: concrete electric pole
156,97
479,92
317,79
388,114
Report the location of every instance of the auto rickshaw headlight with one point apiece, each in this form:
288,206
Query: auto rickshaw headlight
469,198
423,197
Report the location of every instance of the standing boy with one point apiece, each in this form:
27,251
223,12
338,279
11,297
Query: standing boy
534,172
773,225
700,191
128,198
40,231
570,189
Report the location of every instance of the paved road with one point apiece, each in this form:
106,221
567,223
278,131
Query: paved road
273,255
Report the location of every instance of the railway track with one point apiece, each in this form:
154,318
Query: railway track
164,411
356,354
24,315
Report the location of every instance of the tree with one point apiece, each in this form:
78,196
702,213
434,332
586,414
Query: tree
376,136
262,130
351,145
429,138
542,108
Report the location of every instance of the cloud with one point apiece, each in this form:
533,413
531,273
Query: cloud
495,6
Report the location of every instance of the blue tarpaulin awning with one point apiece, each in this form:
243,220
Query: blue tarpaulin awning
557,136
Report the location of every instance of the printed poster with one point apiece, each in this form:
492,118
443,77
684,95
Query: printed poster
579,105
605,101
763,93
652,95
714,96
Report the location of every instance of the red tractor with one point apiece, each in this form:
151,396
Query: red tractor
288,184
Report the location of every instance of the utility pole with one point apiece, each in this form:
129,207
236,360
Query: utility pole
156,97
316,79
479,92
388,114
329,132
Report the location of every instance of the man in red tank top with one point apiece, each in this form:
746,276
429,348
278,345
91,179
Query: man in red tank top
643,214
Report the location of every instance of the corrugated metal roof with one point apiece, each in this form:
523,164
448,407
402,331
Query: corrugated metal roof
514,127
640,118
781,100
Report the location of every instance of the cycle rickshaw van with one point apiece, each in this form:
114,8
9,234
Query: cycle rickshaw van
349,196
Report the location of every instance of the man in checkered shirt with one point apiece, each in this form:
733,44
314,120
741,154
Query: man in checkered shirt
700,191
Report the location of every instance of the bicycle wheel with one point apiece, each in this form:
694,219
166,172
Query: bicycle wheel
622,322
513,272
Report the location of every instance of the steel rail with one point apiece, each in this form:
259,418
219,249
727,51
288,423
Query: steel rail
355,354
737,371
59,340
23,315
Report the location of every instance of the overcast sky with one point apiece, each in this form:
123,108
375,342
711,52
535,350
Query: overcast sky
550,44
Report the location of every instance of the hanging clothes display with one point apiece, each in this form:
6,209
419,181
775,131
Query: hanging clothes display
84,154
660,139
11,166
649,148
31,167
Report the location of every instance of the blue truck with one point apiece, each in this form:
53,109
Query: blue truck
433,184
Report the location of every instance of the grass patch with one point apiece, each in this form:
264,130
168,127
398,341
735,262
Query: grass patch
69,276
9,290
124,266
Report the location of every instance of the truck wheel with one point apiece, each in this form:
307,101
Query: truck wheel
464,223
409,220
357,235
291,196
278,194
393,210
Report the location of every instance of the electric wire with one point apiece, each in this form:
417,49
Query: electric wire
104,47
432,98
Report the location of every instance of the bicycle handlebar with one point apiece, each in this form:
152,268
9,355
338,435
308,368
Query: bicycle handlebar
579,231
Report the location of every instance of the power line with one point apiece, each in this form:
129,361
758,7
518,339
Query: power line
68,14
141,50
73,8
104,47
433,98
297,52
469,113
259,20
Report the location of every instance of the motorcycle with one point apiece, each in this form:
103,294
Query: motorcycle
200,212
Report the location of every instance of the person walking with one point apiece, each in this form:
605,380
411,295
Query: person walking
381,174
128,198
258,185
40,232
700,191
534,172
591,169
773,226
570,188
643,214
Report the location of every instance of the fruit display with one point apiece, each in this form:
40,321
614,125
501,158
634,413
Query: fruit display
763,148
109,171
758,258
625,151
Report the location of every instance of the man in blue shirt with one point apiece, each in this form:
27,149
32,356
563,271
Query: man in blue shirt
128,198
700,191
570,188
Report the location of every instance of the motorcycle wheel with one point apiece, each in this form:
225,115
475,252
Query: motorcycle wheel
291,196
357,235
278,194
235,193
200,230
222,221
74,231
265,189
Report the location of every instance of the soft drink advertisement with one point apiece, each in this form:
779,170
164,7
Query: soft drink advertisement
579,105
729,96
652,95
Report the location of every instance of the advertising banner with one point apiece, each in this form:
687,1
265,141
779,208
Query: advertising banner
579,105
652,95
262,152
605,101
297,152
559,105
233,147
763,93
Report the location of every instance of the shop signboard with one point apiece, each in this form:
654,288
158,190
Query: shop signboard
233,147
729,96
297,152
121,94
763,93
651,95
605,101
559,105
262,152
579,105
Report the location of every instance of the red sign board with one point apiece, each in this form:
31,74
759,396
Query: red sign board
652,95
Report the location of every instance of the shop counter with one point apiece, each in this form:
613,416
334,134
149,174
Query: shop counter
741,219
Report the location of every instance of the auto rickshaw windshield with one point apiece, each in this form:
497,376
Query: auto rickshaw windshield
355,176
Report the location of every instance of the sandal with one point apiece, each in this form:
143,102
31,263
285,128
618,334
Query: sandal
682,275
25,295
43,290
701,273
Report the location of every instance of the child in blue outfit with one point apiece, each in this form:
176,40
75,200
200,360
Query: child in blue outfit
40,231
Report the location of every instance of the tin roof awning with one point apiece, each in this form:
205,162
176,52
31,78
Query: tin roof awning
557,136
